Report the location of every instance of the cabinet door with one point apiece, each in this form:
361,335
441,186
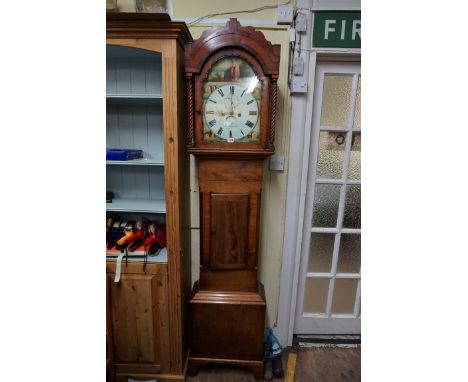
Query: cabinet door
139,320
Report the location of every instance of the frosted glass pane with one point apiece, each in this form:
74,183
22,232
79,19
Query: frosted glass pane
349,257
336,100
357,110
352,214
327,197
331,153
355,158
321,252
344,296
315,295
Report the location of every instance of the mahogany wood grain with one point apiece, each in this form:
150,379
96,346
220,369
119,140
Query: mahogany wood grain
233,34
264,107
227,327
232,40
241,180
227,305
201,295
229,212
228,280
229,170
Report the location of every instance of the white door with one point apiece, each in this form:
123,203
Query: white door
329,290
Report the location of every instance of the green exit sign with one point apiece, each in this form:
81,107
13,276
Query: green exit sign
337,29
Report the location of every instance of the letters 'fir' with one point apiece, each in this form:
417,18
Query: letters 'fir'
231,74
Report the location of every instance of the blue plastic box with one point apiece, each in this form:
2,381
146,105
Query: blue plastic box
123,154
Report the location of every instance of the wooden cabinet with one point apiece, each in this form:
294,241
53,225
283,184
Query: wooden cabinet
140,318
146,110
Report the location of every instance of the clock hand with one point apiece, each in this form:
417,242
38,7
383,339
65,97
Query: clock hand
232,108
221,111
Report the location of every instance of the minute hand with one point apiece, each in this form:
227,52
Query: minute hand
232,108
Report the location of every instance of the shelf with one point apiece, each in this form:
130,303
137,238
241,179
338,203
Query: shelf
161,258
137,205
135,162
150,99
134,96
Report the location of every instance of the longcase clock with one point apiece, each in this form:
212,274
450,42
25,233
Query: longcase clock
231,74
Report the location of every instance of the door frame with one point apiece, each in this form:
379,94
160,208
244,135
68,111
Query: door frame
298,169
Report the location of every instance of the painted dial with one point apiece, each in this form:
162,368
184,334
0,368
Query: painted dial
231,112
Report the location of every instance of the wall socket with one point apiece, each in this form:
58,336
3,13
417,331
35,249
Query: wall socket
277,162
298,85
285,14
298,66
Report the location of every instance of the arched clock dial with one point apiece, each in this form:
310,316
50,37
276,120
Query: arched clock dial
231,112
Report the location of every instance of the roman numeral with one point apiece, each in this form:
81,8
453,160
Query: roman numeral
212,122
221,92
209,112
248,103
250,124
232,90
212,101
242,132
252,113
243,92
220,131
230,134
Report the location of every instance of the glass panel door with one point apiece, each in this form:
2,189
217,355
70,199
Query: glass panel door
330,274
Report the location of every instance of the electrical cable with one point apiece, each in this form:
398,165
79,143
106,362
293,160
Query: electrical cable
292,49
305,50
196,21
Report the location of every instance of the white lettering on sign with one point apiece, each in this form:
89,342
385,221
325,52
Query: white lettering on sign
328,27
343,28
356,30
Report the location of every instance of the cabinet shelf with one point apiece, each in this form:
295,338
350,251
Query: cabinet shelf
148,99
135,162
160,258
157,206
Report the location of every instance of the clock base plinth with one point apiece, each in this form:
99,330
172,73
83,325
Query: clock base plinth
227,328
256,367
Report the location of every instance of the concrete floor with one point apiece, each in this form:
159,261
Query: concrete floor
317,364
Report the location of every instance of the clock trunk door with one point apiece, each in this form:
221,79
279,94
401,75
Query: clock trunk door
229,205
229,230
